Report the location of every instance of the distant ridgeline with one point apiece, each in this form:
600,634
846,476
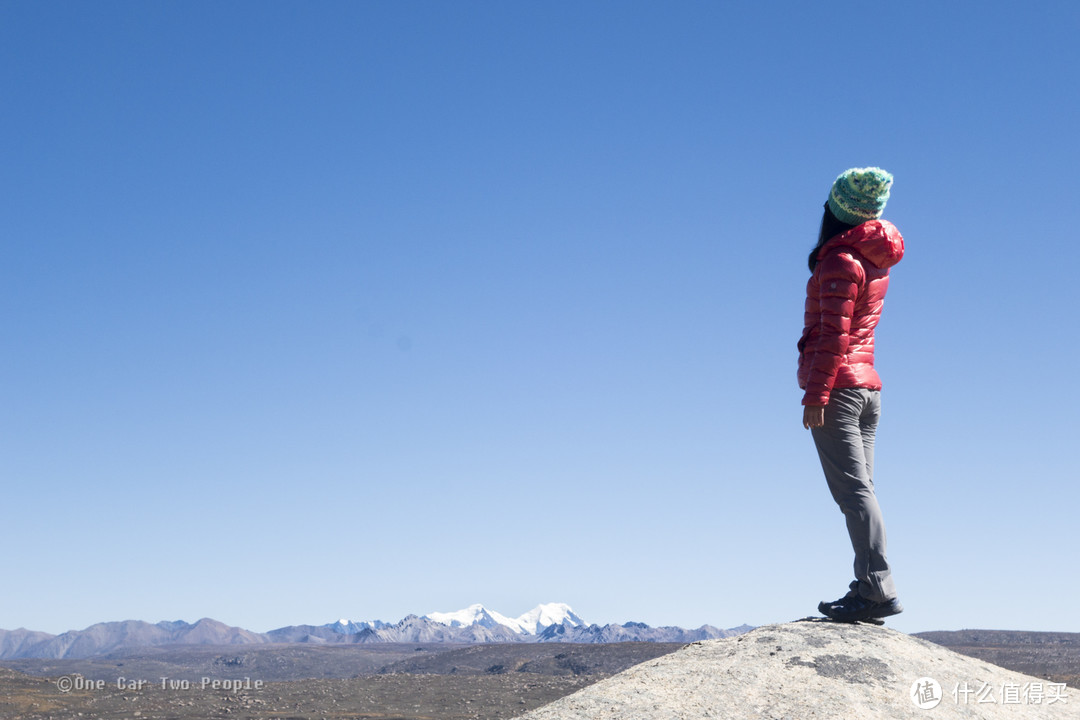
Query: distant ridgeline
552,622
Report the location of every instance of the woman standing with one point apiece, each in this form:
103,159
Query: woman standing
842,403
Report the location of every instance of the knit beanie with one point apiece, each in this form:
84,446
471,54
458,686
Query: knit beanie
859,194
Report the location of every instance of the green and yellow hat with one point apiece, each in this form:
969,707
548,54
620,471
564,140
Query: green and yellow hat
860,194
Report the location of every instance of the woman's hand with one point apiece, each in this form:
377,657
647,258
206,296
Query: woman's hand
813,416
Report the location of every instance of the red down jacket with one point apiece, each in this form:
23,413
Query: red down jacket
843,305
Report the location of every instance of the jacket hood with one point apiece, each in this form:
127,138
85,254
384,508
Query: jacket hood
876,240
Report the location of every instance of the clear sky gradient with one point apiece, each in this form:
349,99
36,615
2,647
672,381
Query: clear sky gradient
361,309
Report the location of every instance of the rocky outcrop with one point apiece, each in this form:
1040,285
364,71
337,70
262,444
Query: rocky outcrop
816,669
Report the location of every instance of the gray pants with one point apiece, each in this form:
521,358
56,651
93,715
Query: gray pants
845,445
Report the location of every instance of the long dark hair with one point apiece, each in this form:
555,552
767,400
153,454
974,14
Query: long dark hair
830,228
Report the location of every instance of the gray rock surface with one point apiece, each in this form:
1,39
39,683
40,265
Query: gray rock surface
814,669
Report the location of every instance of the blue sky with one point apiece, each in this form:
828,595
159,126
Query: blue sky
321,310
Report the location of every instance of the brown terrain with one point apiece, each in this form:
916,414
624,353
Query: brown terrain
390,681
1050,655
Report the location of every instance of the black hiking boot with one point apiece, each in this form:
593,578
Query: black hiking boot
853,590
856,608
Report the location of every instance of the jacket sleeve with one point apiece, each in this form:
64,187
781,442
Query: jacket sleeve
841,278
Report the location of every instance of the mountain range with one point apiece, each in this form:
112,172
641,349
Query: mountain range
551,622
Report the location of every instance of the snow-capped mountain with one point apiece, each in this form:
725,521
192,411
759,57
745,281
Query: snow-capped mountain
348,627
473,615
544,616
533,622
